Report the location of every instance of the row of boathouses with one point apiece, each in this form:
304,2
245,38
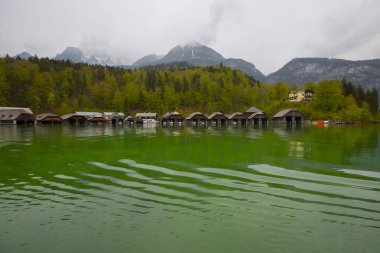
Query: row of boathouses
252,116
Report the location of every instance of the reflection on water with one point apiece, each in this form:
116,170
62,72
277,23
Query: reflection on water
299,149
189,189
13,133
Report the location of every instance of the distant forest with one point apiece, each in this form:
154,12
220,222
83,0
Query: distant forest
61,87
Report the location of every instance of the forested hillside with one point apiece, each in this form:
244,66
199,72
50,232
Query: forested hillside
47,85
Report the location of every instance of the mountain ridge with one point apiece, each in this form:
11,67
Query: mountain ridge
297,71
200,55
313,69
76,55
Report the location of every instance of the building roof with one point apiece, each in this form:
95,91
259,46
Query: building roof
257,114
252,109
129,118
231,116
108,114
67,116
300,91
169,114
45,115
87,114
215,114
282,113
26,110
10,114
194,114
99,117
146,114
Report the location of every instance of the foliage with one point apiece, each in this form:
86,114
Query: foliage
47,85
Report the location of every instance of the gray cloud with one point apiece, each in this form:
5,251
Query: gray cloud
267,33
349,30
220,12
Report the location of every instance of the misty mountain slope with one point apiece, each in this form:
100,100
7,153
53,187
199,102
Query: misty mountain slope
301,70
245,67
197,54
148,60
24,55
200,55
77,56
73,54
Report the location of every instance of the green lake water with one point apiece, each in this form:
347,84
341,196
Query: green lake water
107,189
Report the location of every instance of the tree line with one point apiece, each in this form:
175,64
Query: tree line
61,87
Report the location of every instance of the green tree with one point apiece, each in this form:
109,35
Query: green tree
328,96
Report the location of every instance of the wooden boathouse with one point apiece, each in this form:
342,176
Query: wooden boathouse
146,118
237,119
289,116
114,118
172,119
128,121
48,119
16,116
196,119
259,119
97,119
251,110
74,119
256,116
218,119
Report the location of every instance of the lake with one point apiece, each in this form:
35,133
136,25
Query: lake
121,189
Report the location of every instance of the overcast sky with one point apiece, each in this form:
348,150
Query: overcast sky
268,33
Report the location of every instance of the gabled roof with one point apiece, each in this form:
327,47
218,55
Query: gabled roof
252,109
67,116
282,113
257,114
231,116
11,114
45,115
99,117
194,114
146,114
87,114
169,114
108,114
26,110
215,114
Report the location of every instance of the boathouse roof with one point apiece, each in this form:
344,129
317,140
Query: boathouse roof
146,114
109,114
46,115
11,114
235,115
282,113
217,114
192,115
253,115
252,109
26,110
172,114
87,114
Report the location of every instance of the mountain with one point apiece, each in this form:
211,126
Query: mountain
148,60
245,67
24,55
195,54
76,55
301,70
199,55
73,54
